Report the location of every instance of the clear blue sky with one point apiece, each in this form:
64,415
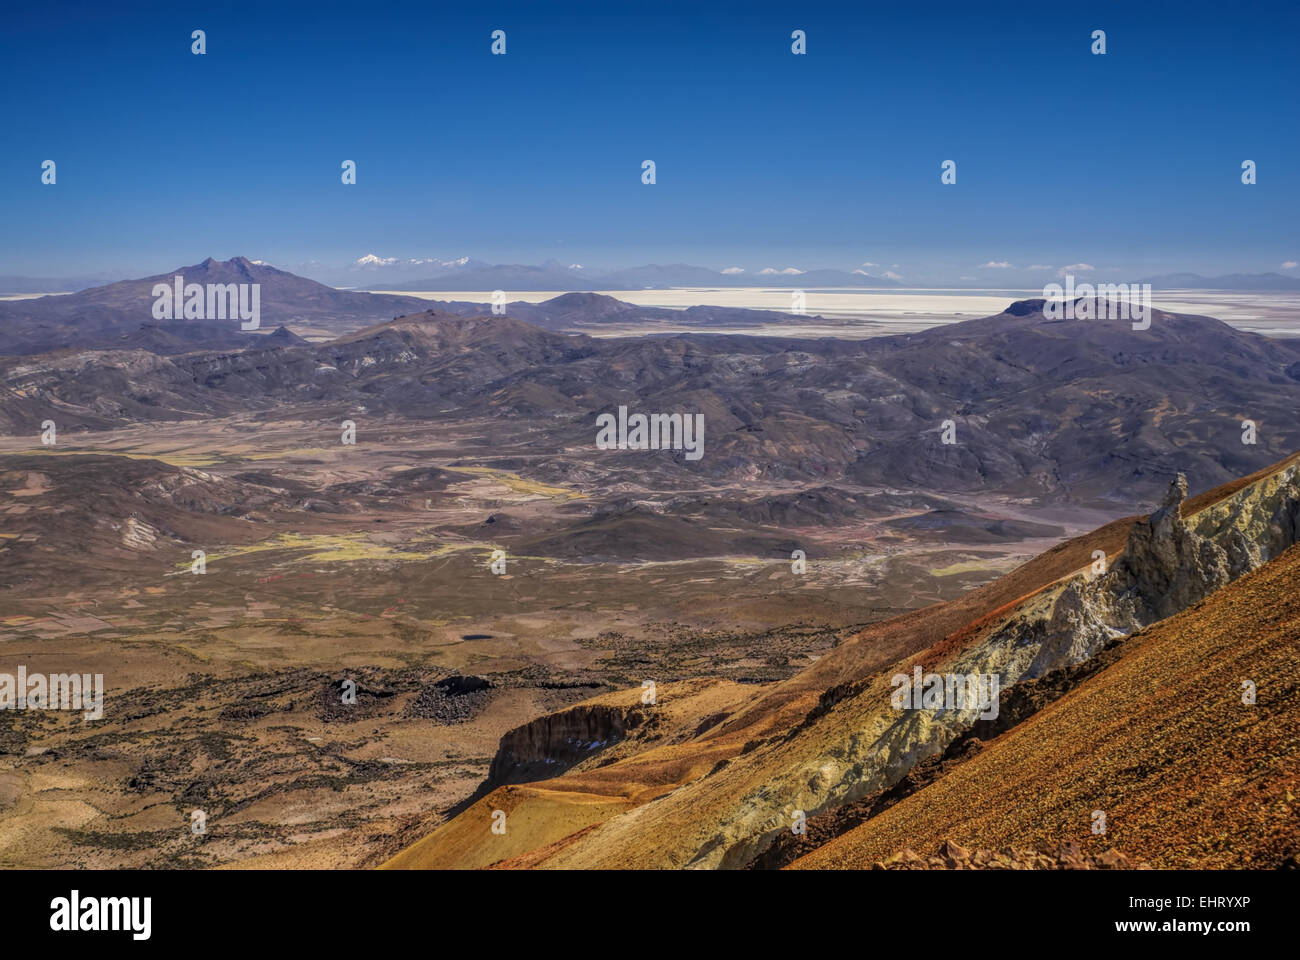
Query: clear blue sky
764,158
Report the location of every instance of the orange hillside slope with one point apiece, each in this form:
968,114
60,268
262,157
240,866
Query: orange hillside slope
1187,775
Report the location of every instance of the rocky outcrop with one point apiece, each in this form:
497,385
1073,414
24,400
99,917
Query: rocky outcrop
1167,567
952,856
451,700
553,743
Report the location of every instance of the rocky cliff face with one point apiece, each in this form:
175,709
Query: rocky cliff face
553,743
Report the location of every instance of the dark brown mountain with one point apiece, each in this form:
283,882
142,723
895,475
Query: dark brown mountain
582,312
120,315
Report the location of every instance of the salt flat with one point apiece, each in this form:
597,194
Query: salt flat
897,310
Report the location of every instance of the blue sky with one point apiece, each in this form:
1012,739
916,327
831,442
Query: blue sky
1129,160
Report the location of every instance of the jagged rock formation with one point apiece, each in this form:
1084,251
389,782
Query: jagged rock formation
1167,567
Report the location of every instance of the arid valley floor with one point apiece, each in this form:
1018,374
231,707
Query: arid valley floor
372,561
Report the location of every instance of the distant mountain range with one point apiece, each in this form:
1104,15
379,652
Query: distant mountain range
120,315
588,312
376,273
1231,281
427,274
465,274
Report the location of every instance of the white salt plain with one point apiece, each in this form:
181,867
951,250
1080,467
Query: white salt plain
898,310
